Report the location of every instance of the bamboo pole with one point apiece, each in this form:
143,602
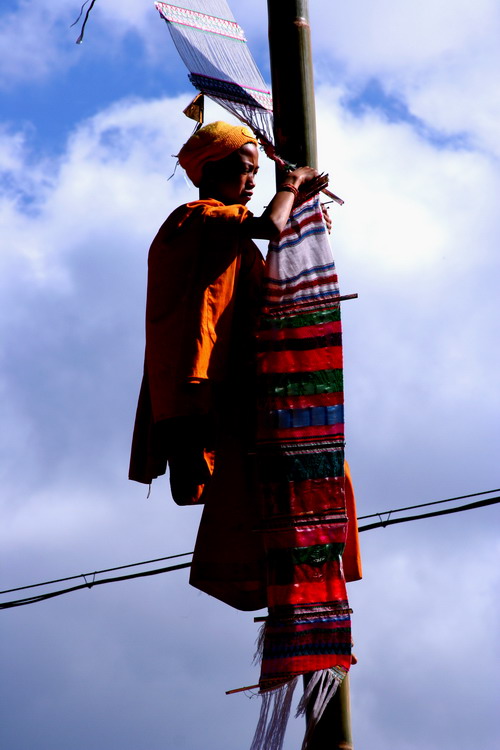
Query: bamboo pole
295,137
334,728
292,81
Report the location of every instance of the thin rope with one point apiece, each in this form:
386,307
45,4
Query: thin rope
89,9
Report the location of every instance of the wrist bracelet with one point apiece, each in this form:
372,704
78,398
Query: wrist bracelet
288,188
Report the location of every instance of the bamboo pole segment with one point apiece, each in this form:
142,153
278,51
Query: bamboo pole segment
292,81
333,730
295,137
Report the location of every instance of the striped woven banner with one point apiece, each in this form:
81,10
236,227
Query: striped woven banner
301,456
214,49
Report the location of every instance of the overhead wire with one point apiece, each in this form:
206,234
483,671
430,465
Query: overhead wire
390,521
96,573
425,505
156,571
89,585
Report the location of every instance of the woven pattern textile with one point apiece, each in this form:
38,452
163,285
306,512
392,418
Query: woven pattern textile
201,21
301,456
214,49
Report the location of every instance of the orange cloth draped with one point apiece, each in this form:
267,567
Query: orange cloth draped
204,277
195,263
351,559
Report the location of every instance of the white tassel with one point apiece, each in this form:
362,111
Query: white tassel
325,682
259,643
270,731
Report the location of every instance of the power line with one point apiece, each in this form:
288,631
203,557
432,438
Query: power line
95,573
445,512
368,527
425,505
87,585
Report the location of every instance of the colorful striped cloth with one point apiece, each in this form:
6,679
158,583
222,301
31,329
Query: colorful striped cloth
300,449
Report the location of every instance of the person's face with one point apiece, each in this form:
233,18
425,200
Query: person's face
232,180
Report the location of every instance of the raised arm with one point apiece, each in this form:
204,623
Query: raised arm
301,182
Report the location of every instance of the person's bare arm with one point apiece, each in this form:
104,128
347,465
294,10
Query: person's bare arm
272,222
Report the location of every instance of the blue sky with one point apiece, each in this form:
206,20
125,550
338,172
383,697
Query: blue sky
408,108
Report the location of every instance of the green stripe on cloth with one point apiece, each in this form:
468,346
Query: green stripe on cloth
267,322
275,467
318,554
301,383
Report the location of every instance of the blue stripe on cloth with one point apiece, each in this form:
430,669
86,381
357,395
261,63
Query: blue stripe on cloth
298,240
307,208
311,416
277,650
333,618
307,272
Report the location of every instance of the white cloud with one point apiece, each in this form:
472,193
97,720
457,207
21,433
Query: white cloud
417,239
383,37
440,59
32,40
419,633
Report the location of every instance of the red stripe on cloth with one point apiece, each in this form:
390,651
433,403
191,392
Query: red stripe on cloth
327,358
304,332
303,664
303,591
291,229
297,498
315,431
309,536
272,291
302,402
311,575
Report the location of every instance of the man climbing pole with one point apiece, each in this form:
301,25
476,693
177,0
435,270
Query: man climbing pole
242,394
197,405
196,408
278,498
204,278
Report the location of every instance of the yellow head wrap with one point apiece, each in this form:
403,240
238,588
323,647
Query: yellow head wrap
211,143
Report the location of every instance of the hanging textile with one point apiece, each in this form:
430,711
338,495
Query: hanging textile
300,449
214,49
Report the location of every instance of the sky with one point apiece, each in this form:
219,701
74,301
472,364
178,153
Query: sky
408,108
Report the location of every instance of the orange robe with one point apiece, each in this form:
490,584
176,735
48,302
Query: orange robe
351,558
196,401
204,278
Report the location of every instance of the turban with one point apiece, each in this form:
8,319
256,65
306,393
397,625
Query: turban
211,143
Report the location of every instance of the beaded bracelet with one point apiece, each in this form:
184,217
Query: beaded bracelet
287,187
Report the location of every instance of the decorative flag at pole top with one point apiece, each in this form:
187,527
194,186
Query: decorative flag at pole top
214,49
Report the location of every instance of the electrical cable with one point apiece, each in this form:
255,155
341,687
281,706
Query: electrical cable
86,585
95,573
445,512
425,505
380,524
